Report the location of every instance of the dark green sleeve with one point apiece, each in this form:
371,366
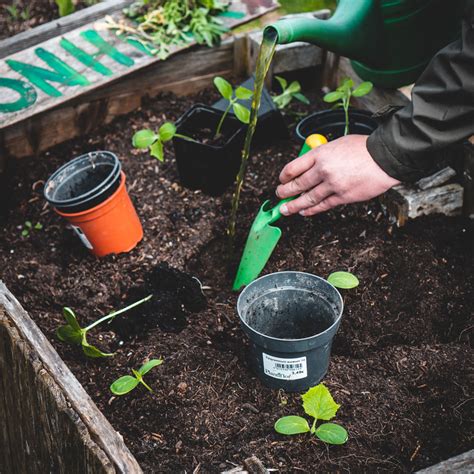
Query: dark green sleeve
408,145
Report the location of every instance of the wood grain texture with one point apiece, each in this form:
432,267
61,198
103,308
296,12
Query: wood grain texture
48,422
461,464
59,27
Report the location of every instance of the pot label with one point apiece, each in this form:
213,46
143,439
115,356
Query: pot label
284,369
82,236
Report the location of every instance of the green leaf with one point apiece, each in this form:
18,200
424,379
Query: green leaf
332,433
71,319
362,89
167,131
68,334
346,85
38,226
25,233
318,403
283,82
301,98
242,113
344,280
290,425
124,385
294,87
28,224
243,93
333,96
156,150
144,138
223,87
92,351
149,365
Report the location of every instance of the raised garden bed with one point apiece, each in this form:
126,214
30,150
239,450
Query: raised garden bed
400,360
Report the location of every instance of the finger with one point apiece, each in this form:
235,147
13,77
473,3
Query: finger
307,200
299,185
297,167
328,203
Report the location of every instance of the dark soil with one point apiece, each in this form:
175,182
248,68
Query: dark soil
401,364
20,15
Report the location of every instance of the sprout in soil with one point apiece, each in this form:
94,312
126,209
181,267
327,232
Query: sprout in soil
72,333
65,7
228,93
28,227
288,93
319,405
343,280
127,383
342,95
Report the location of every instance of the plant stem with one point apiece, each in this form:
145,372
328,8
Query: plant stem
116,313
219,126
184,137
147,386
313,426
346,112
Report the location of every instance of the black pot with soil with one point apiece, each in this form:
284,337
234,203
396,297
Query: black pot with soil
331,123
207,162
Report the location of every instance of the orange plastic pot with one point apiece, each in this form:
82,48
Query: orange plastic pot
112,226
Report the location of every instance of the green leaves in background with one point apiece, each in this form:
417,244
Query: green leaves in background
319,404
65,7
127,383
344,280
289,92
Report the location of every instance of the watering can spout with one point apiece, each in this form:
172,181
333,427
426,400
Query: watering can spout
353,30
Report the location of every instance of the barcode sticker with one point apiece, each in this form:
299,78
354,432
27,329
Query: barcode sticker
284,369
82,236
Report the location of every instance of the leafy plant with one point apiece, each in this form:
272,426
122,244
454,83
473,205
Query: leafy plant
72,333
127,383
343,280
228,93
288,93
25,15
343,95
319,405
65,7
28,227
13,11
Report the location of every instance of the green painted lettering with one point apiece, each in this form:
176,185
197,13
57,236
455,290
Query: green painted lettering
26,91
85,58
39,76
106,48
140,45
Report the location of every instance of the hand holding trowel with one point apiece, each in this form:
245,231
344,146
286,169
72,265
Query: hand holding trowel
263,237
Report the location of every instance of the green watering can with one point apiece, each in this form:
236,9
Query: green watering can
390,42
263,236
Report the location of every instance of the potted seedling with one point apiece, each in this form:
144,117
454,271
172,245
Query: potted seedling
207,142
342,119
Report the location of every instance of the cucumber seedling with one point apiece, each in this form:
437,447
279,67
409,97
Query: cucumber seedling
72,333
288,93
127,383
343,280
319,405
342,95
28,227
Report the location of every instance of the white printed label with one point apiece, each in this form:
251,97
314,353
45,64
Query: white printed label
82,236
284,369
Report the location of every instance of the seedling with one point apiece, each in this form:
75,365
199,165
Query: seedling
28,227
65,7
318,404
228,93
127,383
343,280
72,333
288,93
343,95
13,11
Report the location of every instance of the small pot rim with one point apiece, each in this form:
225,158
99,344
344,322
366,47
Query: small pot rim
326,331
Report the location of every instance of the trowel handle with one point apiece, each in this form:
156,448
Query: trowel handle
312,141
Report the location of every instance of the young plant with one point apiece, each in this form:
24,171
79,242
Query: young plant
342,95
127,383
319,405
13,11
228,93
28,227
343,280
72,333
288,93
65,7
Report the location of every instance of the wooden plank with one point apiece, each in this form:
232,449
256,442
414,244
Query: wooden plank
436,179
60,26
461,464
41,395
116,59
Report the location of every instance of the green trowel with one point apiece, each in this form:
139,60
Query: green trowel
263,237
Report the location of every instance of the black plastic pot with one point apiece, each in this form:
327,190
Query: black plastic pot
291,319
331,123
270,124
209,168
84,182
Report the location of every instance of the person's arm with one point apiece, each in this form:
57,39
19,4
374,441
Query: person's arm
441,113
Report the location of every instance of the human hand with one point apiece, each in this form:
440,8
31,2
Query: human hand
340,172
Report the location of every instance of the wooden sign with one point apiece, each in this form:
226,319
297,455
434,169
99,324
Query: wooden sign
62,68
